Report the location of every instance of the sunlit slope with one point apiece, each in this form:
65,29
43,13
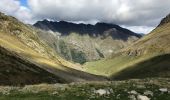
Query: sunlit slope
148,57
109,67
23,40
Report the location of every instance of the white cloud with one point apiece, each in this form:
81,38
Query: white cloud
140,29
124,12
74,10
24,14
14,8
9,6
138,15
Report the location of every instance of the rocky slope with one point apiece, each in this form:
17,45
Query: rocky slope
158,41
25,51
81,43
147,57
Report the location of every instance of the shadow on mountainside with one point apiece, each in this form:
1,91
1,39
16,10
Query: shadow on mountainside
158,66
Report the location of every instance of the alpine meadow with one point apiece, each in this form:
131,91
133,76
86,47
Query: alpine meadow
84,50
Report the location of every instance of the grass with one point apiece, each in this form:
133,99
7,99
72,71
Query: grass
107,67
158,66
118,90
126,67
16,71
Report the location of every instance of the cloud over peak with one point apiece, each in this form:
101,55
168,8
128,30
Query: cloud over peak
136,14
125,12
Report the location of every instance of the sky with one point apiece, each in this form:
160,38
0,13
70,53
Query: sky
24,3
140,16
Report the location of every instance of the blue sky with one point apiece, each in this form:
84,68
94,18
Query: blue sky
24,3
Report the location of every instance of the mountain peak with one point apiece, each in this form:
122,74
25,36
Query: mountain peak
165,20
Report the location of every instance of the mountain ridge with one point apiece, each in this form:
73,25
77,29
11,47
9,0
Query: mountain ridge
84,42
97,29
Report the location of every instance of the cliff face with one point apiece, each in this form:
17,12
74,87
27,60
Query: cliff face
81,43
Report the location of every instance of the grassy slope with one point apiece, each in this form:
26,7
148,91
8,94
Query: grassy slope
23,40
142,56
107,67
16,71
158,66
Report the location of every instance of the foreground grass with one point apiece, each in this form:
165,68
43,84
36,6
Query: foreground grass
115,90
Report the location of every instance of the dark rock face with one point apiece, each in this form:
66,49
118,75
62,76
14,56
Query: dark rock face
65,28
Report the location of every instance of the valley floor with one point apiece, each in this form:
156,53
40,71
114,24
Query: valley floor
143,89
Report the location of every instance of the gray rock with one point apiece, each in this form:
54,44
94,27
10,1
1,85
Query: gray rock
141,97
163,89
147,93
133,92
132,97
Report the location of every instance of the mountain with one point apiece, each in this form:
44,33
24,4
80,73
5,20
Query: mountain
65,28
26,59
147,57
84,42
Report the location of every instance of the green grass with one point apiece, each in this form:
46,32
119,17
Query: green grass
119,90
158,66
103,67
126,67
111,66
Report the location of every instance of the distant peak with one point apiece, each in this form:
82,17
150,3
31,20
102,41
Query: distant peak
63,21
45,20
67,22
165,20
105,24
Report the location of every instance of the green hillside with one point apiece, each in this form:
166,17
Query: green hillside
147,57
23,40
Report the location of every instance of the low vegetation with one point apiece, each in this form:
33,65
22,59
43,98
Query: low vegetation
150,89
